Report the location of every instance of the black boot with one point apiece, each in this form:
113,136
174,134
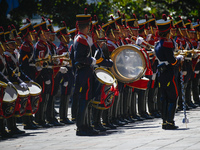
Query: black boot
28,124
11,125
170,116
171,126
3,132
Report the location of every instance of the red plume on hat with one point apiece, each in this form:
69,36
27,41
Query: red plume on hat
85,11
95,18
49,21
134,16
164,17
1,29
64,23
124,17
112,17
189,21
170,16
27,20
146,17
43,19
13,26
9,28
153,16
119,14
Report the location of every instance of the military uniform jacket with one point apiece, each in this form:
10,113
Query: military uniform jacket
27,59
164,50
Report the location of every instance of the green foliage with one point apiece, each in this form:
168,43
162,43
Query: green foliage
66,10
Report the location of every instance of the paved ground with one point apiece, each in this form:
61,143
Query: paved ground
145,135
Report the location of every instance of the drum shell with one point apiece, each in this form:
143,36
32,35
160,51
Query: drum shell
22,101
8,103
35,98
139,84
103,93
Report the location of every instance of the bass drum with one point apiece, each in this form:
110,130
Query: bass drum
128,63
8,102
105,87
35,97
22,100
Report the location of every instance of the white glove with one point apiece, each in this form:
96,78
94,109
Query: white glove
65,84
23,85
139,40
184,73
93,61
10,84
63,70
48,82
39,68
90,41
180,57
57,61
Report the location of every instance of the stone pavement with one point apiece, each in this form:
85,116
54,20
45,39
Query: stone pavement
145,135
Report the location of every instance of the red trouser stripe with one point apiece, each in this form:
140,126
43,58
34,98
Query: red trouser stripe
88,89
175,87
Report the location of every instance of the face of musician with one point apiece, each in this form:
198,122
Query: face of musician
11,46
51,37
173,31
46,34
18,41
192,35
184,32
135,32
117,35
154,31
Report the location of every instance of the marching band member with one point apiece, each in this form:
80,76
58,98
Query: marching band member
3,72
164,50
14,73
112,36
143,29
51,119
97,113
151,39
183,43
84,75
195,43
43,74
134,32
66,75
27,65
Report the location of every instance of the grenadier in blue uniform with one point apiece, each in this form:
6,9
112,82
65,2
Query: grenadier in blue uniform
27,65
67,77
84,75
164,50
44,72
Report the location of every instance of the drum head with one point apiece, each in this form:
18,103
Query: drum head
10,94
21,91
128,63
104,76
34,88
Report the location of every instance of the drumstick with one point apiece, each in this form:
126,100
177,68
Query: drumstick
96,53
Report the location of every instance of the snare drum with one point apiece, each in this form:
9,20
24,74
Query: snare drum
35,97
105,89
9,101
22,100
